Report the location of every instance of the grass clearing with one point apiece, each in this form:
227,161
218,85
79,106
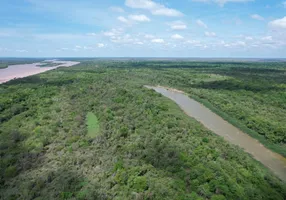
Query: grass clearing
92,125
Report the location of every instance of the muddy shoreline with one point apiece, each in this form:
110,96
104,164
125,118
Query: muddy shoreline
24,70
275,162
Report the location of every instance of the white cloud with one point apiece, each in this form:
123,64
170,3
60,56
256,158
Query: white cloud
113,32
3,34
239,43
143,4
100,45
22,51
202,1
59,36
167,12
268,41
248,38
116,9
222,2
257,17
194,42
85,47
91,34
78,47
177,37
267,38
278,23
4,49
201,23
177,25
138,42
139,18
123,19
158,40
123,39
133,18
236,44
118,36
153,7
148,36
210,34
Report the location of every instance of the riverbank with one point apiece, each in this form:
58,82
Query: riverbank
236,123
23,70
275,162
274,147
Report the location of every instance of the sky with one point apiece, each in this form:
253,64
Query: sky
143,28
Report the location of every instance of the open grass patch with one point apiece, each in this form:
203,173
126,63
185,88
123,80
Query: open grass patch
92,125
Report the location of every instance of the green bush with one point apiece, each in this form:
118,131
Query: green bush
139,183
10,172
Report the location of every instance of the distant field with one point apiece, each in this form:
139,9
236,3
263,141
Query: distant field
92,131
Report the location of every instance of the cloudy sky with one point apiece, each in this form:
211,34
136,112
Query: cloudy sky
143,28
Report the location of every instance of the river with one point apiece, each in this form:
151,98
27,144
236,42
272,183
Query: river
275,162
24,70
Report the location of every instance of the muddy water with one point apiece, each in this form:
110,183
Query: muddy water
23,70
215,123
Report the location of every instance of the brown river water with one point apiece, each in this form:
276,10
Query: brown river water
24,70
275,162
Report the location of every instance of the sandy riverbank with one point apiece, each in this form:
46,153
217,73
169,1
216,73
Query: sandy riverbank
24,70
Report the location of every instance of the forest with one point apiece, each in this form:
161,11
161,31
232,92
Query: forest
93,131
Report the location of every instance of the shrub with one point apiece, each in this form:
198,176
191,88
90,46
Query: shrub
10,172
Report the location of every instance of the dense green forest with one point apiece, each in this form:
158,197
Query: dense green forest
252,96
93,131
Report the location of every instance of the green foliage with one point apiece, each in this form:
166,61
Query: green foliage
10,172
92,125
206,140
66,195
139,183
218,197
146,147
118,165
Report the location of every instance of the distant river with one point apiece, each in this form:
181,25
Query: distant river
219,126
24,70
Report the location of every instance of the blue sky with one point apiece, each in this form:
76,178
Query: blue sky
143,28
